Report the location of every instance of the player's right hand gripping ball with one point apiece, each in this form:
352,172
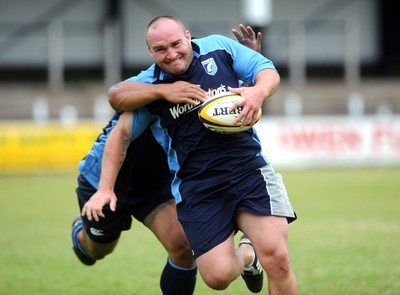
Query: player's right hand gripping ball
215,114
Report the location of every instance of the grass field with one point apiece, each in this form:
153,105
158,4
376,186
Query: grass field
346,240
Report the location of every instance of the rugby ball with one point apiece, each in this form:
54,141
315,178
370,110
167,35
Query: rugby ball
215,114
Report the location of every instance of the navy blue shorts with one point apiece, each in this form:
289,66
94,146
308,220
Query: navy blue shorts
139,205
208,219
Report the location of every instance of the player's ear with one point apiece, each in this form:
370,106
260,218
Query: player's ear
188,35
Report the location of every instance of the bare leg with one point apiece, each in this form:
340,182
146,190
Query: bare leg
268,235
223,264
95,250
163,222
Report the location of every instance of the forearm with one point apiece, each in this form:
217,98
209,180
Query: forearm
114,153
267,82
129,95
113,159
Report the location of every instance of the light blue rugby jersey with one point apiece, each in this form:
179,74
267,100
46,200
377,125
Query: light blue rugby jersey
199,158
90,166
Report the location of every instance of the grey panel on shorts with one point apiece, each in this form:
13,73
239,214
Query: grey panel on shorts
280,203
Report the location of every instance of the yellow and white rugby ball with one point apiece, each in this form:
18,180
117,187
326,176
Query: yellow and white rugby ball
215,114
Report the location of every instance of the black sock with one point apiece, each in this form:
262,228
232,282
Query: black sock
177,280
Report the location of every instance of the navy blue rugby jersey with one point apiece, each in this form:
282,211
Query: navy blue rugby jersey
201,158
90,165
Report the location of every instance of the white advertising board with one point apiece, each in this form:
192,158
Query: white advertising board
330,141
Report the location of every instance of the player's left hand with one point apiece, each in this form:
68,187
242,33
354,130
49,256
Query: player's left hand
93,209
248,37
252,101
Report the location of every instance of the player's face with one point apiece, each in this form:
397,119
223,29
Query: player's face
170,47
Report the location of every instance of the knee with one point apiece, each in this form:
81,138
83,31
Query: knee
219,277
179,251
217,281
277,264
179,246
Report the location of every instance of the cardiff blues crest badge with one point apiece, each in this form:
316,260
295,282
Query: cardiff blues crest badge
210,66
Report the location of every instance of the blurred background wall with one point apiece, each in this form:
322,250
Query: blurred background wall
59,57
88,31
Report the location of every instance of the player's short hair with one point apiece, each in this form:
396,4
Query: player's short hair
155,20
